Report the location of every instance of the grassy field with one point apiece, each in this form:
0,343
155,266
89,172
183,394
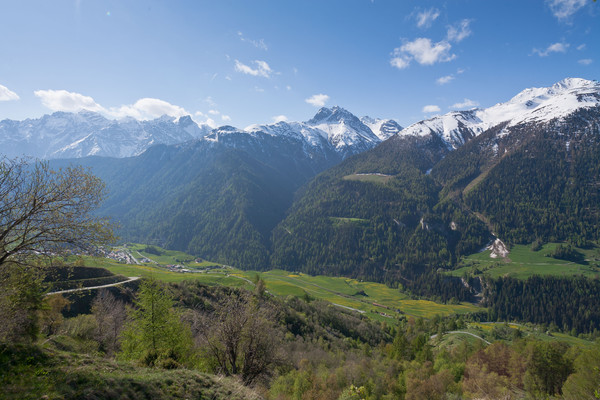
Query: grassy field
339,221
373,299
522,263
485,330
372,178
167,257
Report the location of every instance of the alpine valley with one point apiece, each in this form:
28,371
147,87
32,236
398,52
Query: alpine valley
340,195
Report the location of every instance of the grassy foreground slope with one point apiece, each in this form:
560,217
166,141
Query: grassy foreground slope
50,373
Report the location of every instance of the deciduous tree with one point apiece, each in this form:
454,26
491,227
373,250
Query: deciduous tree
43,211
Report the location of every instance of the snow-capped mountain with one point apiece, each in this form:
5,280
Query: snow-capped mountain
334,128
73,135
344,130
383,128
534,105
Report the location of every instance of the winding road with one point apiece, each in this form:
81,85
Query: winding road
130,279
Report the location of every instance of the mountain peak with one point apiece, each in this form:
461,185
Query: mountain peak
576,83
333,114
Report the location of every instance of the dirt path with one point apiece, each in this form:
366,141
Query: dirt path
463,332
130,279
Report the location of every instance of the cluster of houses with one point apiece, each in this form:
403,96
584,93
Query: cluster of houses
178,268
121,256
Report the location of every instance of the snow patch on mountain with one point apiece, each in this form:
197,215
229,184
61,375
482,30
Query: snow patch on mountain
382,128
534,105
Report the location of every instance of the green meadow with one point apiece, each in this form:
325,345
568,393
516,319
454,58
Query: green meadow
373,299
522,262
373,178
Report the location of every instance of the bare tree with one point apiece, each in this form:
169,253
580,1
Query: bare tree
110,315
45,211
239,338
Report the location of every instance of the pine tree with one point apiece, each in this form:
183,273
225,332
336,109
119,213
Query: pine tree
154,333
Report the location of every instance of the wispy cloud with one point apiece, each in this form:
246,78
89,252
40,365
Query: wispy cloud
431,108
262,68
564,9
317,100
426,18
581,47
423,51
279,118
259,44
445,79
225,118
460,31
553,48
148,108
585,61
7,95
466,103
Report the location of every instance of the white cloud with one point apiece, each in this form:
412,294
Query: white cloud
209,121
7,95
431,108
62,100
399,60
581,47
225,117
445,79
465,104
585,61
425,18
148,108
259,44
423,51
460,31
143,109
317,100
288,87
279,118
563,9
213,112
553,48
262,68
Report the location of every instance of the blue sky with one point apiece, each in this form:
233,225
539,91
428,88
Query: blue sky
256,61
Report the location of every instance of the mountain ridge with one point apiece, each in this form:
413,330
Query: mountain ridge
87,133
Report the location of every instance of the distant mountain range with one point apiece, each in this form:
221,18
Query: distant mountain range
76,135
356,196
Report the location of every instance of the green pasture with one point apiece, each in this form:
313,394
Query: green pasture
528,330
374,299
371,178
340,221
167,257
522,263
